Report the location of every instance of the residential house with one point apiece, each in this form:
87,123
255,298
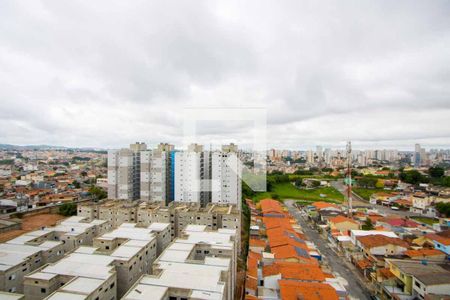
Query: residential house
373,245
441,241
343,224
417,279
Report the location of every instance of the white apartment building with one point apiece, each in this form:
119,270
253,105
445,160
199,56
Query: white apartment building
192,175
199,265
103,271
28,252
80,275
124,172
155,175
226,172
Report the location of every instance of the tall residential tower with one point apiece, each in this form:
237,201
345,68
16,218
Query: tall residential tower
124,172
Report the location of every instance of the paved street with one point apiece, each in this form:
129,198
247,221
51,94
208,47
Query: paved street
355,286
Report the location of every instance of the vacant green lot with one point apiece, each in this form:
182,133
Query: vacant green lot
425,220
366,193
289,191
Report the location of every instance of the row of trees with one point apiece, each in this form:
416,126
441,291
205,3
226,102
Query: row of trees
436,175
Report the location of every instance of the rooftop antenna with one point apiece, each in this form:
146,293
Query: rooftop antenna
349,178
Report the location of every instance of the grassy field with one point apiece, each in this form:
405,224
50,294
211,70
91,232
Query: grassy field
425,220
289,191
366,193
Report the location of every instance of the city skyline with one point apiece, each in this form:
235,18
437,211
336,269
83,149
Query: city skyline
375,73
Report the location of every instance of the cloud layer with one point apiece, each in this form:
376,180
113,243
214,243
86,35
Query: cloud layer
107,73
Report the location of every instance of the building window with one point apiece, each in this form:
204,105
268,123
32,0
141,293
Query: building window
43,291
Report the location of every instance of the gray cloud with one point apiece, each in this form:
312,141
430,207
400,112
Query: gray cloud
107,73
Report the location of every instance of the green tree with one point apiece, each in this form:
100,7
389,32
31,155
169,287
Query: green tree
443,208
99,193
446,181
367,224
413,177
76,184
315,183
436,172
379,184
367,182
247,192
68,209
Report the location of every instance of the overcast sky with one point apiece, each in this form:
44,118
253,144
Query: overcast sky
108,73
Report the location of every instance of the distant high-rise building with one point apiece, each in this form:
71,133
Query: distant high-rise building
192,174
310,157
417,157
319,153
124,172
156,174
226,173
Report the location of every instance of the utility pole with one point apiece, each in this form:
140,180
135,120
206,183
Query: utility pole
349,178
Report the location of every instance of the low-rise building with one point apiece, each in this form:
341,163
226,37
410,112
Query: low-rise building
179,215
415,279
105,270
441,241
28,252
426,254
382,245
81,274
343,224
199,265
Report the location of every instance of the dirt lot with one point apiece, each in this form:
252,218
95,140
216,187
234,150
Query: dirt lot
31,223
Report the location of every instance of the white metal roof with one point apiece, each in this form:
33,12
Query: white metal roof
158,226
66,296
42,275
145,292
83,285
197,277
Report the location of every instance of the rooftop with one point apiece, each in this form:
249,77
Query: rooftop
429,273
377,240
293,290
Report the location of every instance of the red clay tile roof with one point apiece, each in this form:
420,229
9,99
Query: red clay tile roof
269,206
386,273
251,283
257,243
270,270
371,241
295,271
271,223
402,223
320,205
438,238
301,272
293,290
252,263
340,219
424,253
364,263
